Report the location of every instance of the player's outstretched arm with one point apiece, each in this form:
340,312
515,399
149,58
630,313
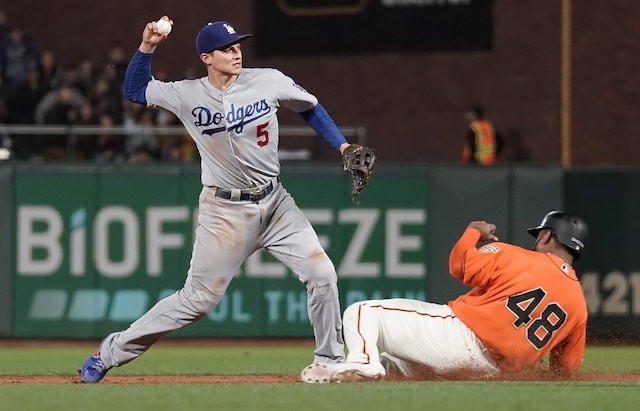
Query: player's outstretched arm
138,72
319,120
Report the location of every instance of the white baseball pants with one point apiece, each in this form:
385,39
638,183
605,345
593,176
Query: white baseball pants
416,333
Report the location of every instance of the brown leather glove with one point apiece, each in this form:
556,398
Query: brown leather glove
358,162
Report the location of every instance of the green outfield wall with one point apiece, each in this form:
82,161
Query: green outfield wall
610,271
7,242
86,250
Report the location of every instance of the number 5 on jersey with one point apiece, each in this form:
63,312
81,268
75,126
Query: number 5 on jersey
262,134
541,329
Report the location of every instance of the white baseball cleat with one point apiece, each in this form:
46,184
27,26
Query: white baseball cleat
353,372
317,373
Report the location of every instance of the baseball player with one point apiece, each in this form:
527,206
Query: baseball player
524,305
231,116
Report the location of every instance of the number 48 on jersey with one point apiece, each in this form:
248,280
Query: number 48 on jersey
541,329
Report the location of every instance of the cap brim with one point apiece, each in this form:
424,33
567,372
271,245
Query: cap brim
238,40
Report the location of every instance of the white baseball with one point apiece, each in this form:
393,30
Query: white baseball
164,27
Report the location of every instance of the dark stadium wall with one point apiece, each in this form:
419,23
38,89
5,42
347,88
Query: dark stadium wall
412,103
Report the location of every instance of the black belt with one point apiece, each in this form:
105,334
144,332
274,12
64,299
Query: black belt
247,194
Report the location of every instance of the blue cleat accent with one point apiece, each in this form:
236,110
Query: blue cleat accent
93,370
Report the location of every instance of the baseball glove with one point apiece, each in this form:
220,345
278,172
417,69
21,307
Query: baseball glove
358,162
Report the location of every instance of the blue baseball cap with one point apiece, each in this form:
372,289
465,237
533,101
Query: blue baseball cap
216,36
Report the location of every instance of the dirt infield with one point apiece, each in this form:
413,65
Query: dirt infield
158,379
276,379
259,378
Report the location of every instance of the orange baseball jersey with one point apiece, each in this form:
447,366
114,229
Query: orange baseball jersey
525,304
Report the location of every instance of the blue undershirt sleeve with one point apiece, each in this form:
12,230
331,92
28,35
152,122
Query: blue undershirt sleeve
318,119
137,77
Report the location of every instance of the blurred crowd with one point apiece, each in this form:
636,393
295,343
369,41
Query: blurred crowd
36,88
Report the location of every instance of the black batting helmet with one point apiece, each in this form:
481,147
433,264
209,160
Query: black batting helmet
569,229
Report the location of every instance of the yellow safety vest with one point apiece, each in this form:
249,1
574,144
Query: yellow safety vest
485,142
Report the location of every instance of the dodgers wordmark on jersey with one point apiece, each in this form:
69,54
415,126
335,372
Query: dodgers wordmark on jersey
236,130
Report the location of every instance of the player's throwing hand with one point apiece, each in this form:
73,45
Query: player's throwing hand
151,36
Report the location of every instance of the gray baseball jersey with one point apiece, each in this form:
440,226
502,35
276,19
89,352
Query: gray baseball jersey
236,130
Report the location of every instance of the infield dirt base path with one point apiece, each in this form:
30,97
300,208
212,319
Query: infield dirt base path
276,379
257,378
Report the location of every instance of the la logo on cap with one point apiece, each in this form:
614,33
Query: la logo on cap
217,36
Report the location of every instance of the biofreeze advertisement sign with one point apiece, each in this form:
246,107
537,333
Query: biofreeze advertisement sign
94,251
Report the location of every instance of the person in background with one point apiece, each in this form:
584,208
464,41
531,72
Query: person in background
59,107
481,143
18,55
110,146
51,75
24,99
21,106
